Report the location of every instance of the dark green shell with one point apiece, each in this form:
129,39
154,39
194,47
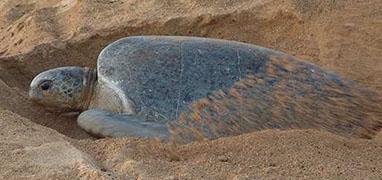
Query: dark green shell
221,87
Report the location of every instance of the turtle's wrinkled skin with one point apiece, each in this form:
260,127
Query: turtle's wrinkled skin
63,89
187,88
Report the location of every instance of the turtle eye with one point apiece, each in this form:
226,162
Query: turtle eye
45,85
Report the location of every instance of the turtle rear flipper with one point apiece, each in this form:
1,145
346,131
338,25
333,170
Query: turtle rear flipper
108,124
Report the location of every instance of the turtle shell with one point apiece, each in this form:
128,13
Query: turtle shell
162,75
213,88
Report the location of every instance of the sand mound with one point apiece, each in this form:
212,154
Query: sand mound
343,36
32,151
272,154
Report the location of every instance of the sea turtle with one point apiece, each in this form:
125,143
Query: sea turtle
189,88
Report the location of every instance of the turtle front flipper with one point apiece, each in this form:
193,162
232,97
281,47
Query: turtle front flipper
108,124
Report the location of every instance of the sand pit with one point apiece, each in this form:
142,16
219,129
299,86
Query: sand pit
342,36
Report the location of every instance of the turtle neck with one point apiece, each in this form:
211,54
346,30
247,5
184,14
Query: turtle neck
90,81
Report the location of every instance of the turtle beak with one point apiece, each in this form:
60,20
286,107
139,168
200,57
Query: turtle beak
34,96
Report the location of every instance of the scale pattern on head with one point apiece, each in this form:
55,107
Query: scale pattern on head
61,88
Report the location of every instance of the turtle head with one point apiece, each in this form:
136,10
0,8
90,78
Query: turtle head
64,88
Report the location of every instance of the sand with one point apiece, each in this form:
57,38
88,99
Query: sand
340,36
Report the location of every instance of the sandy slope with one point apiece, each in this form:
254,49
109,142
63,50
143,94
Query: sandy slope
29,150
343,36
